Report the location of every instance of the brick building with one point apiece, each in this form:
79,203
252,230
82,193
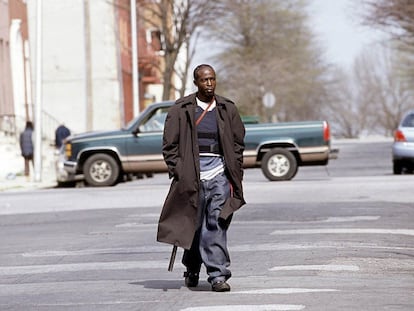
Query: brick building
150,58
15,97
86,63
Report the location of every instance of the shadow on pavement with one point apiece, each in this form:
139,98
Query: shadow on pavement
171,284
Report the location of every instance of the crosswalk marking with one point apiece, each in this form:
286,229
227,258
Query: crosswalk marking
83,304
273,307
234,248
316,268
315,245
324,220
284,291
99,251
345,231
136,225
89,266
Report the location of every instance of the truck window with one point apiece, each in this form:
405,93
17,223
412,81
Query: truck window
155,121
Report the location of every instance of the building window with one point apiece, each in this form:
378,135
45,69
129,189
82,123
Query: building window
155,39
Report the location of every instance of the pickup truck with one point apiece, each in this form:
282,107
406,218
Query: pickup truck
104,158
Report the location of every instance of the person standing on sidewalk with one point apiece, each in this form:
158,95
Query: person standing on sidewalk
26,147
60,134
203,146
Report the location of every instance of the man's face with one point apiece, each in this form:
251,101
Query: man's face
206,82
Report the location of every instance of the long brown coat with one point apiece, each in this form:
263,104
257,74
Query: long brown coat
177,223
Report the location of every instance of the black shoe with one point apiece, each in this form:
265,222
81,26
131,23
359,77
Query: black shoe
220,286
191,278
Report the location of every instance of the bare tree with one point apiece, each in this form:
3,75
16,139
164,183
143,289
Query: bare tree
390,96
180,21
267,46
371,98
395,17
341,108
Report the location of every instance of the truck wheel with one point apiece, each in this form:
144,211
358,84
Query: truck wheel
101,170
279,164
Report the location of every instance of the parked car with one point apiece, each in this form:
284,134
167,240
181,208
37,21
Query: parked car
403,146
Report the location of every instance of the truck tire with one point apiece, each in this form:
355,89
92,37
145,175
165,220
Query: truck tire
279,164
101,170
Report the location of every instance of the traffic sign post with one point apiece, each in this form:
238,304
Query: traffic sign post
269,101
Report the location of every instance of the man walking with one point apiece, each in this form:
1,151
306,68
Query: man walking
203,146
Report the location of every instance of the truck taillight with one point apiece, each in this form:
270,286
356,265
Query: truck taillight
326,131
399,136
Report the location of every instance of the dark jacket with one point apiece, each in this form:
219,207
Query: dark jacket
178,219
60,134
26,142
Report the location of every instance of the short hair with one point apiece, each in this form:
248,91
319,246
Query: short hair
29,125
197,69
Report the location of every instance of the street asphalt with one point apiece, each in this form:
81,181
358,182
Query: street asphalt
12,164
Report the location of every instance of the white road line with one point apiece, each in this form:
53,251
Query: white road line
351,218
326,220
284,291
316,245
345,231
82,304
247,308
99,251
90,266
147,215
316,268
235,248
135,225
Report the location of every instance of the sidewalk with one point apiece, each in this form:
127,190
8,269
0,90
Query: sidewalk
12,167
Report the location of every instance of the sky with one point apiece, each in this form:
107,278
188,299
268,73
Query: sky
339,30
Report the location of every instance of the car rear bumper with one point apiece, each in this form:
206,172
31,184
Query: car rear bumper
403,151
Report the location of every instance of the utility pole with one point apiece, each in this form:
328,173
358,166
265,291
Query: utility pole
38,108
88,66
135,85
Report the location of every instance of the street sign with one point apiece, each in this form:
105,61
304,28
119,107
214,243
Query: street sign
269,100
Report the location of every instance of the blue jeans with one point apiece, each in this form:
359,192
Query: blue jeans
210,240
